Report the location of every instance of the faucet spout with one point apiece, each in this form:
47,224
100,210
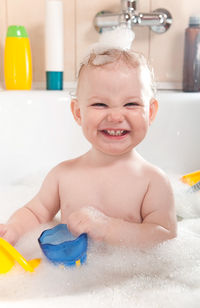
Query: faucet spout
159,20
128,6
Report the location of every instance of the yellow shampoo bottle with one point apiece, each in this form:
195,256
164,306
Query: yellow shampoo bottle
17,59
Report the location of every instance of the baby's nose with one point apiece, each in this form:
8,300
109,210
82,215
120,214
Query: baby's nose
115,116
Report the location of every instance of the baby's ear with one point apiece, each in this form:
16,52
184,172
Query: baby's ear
153,108
76,111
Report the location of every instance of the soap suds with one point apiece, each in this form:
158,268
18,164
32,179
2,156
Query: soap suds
120,38
165,276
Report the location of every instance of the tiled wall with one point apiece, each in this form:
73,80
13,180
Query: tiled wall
165,51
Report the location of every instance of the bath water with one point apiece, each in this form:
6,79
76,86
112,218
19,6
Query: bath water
165,276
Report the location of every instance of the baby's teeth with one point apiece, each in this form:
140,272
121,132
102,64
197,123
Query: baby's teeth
115,133
111,132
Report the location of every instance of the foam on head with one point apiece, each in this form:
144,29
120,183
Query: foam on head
115,46
104,56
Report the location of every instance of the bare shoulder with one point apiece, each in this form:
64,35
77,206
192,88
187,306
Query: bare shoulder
66,165
155,175
159,192
159,197
60,170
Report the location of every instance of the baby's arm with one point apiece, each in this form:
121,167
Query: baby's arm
159,218
41,209
158,213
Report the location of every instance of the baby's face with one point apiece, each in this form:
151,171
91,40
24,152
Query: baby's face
114,107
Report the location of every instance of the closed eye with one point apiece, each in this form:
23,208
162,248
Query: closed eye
132,104
99,105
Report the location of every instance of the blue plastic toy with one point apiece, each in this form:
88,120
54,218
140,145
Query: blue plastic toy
61,247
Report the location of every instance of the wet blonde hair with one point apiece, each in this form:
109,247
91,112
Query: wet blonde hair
101,57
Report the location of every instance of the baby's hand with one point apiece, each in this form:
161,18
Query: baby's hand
88,220
8,233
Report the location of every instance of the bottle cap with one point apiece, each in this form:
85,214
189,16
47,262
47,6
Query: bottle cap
16,31
54,80
194,20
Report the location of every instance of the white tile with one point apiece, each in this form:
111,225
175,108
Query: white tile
166,51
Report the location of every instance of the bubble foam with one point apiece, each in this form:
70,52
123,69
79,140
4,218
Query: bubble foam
165,276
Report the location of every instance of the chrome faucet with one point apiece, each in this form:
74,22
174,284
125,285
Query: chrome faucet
159,20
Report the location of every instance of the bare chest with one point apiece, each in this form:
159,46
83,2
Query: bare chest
118,196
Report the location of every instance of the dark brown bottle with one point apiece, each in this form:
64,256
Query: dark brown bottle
191,67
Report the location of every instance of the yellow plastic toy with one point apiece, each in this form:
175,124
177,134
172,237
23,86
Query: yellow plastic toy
8,256
191,178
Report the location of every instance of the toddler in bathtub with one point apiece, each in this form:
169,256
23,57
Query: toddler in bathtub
111,192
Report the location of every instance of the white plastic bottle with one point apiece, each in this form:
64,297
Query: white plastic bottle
54,46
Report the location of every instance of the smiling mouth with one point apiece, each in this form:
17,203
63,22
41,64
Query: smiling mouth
114,133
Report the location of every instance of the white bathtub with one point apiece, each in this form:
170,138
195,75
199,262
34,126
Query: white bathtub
37,131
